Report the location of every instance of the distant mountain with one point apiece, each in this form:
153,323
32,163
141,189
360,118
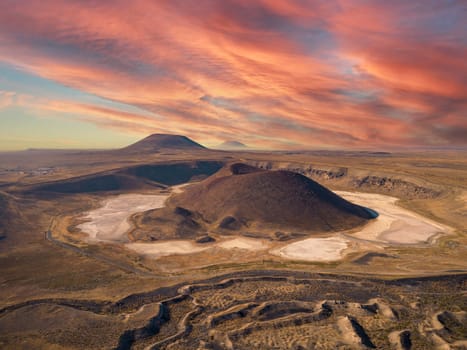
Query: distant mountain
156,142
232,145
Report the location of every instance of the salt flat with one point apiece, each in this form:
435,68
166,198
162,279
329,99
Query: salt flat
110,222
394,225
243,243
158,249
314,249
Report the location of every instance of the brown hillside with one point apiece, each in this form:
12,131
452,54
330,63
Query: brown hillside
245,196
140,177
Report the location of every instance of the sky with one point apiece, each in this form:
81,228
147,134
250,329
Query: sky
292,74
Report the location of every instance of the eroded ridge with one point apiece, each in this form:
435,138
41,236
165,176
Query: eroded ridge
264,310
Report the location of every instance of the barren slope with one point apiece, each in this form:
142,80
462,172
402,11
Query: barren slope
140,177
244,196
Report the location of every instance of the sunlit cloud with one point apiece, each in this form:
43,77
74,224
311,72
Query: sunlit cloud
295,74
7,99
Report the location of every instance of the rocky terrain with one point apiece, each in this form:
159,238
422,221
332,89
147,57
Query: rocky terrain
257,309
345,177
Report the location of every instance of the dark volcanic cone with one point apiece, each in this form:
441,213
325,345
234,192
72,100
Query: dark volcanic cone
247,196
157,142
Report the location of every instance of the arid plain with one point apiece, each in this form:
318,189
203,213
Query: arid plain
167,245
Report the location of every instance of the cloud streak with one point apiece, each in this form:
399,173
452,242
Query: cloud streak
7,99
277,74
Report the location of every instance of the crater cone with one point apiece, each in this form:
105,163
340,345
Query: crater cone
270,199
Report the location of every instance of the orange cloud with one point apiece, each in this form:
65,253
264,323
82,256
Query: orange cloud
6,98
289,74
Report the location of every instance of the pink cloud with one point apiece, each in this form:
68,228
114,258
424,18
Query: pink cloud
337,73
7,99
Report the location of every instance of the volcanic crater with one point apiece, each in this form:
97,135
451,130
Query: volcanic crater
254,202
